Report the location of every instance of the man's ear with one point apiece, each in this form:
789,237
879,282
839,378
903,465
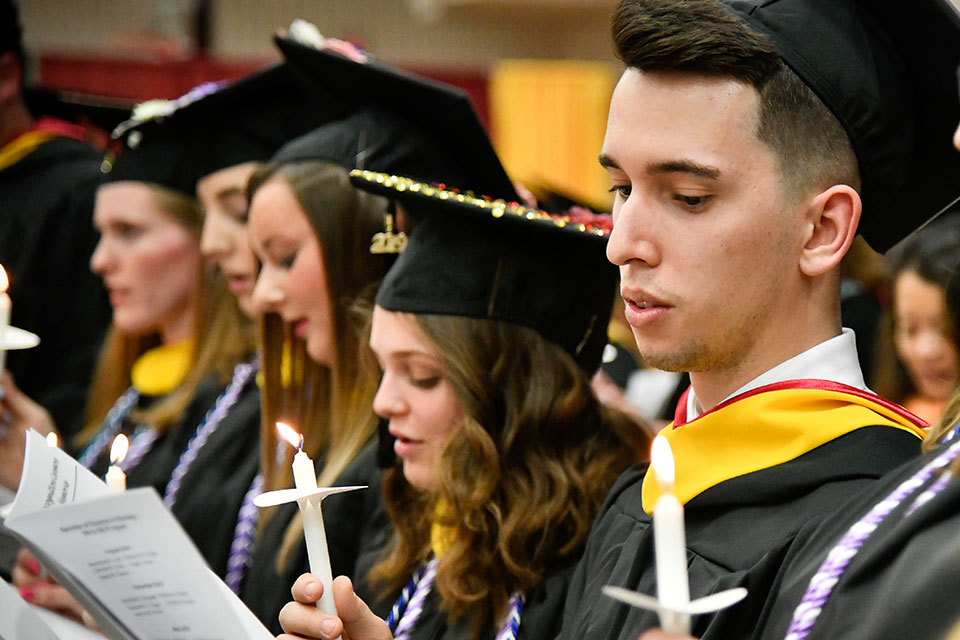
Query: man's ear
832,221
11,76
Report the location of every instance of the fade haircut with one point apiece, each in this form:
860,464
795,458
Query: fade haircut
702,37
10,32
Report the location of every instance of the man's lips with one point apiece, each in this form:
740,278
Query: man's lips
642,307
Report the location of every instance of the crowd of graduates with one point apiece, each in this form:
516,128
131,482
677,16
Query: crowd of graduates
332,243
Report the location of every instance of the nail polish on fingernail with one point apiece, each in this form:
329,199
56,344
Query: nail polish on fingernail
27,594
32,566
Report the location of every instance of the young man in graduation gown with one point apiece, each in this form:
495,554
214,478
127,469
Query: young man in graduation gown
48,176
747,143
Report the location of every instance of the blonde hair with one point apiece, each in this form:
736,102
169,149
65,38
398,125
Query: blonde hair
222,336
331,406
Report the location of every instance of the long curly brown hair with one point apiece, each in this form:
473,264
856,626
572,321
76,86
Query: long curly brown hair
523,479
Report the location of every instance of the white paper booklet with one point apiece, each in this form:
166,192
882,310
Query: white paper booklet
122,555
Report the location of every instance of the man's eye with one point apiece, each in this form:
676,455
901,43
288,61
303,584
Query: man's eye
693,202
621,190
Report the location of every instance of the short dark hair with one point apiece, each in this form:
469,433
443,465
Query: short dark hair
703,37
10,31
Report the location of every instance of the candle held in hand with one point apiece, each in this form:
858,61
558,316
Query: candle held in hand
305,478
116,479
670,545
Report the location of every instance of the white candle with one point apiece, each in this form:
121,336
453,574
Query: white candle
314,534
5,306
116,479
670,544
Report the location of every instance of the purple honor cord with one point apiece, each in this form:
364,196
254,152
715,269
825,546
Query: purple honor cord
409,606
111,427
241,549
242,374
829,574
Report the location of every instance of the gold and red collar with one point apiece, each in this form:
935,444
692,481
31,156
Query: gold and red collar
768,426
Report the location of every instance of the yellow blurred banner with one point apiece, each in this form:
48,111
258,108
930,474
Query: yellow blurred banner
548,120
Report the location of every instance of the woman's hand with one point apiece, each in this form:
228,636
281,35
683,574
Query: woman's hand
36,587
302,619
17,414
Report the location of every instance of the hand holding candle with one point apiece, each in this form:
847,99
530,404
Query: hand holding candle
308,497
116,479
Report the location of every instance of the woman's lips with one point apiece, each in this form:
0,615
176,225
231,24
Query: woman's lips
300,328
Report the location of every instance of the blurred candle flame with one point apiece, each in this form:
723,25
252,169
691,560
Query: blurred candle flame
661,459
290,434
119,449
52,440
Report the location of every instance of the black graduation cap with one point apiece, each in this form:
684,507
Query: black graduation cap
224,124
101,112
375,139
482,258
444,112
886,69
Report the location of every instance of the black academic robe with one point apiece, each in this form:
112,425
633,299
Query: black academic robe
46,239
902,583
158,463
738,534
540,618
266,589
212,491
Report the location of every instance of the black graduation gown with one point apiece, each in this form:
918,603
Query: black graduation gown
46,239
266,590
156,466
903,582
212,491
540,618
738,533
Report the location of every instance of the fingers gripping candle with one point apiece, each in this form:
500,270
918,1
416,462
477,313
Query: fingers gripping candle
315,536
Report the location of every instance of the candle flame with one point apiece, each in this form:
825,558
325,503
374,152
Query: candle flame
119,449
4,280
52,440
290,434
661,459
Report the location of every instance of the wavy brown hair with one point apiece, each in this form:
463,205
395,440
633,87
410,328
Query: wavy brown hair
331,406
523,479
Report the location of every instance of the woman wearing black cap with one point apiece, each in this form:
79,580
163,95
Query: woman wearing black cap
487,329
176,332
311,231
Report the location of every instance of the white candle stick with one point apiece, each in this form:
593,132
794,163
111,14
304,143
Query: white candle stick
116,479
672,603
5,306
314,534
670,544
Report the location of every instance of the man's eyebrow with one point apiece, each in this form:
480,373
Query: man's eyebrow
607,162
684,166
